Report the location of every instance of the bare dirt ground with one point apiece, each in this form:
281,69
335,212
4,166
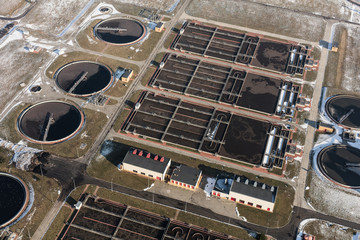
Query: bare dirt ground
350,78
52,17
260,17
342,72
331,199
162,5
330,8
17,66
327,231
9,6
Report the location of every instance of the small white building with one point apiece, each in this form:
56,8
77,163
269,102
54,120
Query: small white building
145,163
244,191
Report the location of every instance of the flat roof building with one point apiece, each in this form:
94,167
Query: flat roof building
145,163
127,75
242,190
159,27
186,177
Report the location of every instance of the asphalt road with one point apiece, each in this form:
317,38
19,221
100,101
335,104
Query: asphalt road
70,173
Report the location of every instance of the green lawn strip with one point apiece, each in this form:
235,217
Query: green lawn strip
76,193
46,193
316,53
307,90
170,212
236,162
148,74
282,210
169,39
214,225
58,223
106,170
277,171
119,89
129,104
111,102
151,70
311,76
165,19
182,147
120,119
136,202
134,97
71,148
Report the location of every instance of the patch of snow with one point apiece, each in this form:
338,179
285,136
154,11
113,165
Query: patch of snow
238,214
145,189
91,41
210,183
11,36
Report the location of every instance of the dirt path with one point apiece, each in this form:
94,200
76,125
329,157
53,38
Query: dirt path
339,69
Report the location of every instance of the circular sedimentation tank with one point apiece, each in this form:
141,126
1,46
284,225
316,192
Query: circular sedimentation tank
344,110
120,31
14,198
50,122
84,78
340,164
